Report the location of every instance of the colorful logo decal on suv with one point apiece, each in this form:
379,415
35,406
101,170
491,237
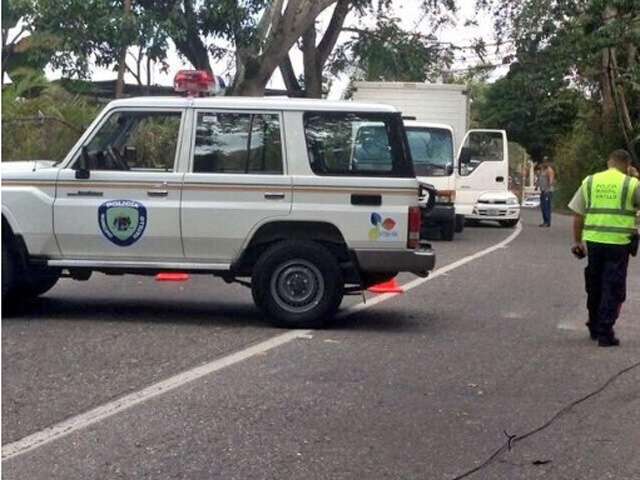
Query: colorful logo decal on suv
383,229
122,221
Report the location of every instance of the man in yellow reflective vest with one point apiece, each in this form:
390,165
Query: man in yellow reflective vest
605,209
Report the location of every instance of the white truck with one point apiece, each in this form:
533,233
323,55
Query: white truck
274,194
469,168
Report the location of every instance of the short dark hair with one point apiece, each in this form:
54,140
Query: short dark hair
620,156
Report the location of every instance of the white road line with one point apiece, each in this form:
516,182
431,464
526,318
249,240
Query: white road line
103,412
72,424
435,274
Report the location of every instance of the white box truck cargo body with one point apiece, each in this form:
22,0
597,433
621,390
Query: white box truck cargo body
479,161
430,103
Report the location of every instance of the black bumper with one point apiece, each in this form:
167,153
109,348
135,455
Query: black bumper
440,214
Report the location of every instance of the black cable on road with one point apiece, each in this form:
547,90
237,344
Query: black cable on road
513,439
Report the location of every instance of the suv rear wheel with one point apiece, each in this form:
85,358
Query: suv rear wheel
298,284
39,283
9,272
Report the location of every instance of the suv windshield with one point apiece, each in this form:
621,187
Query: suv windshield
431,150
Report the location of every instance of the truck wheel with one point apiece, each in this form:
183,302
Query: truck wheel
508,223
298,284
447,231
459,223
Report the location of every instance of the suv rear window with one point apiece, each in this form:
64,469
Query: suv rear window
357,144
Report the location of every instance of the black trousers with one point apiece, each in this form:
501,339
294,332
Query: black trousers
606,284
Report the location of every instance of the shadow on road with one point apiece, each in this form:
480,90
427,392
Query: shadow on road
385,320
143,311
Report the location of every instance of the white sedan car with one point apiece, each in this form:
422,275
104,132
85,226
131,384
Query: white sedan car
531,201
502,207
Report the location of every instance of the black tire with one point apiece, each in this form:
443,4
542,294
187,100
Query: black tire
296,265
447,231
9,273
369,279
40,283
508,223
459,223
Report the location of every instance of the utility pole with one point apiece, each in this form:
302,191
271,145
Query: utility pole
122,55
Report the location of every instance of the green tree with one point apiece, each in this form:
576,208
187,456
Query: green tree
387,51
592,43
535,108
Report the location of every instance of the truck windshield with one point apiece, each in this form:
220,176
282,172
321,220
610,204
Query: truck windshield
432,150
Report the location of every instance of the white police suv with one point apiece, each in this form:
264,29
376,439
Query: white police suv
267,192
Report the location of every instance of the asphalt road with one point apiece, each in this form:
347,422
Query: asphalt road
424,385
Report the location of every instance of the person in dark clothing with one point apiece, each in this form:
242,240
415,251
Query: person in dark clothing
546,183
605,208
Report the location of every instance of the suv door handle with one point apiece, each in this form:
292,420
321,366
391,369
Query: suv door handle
367,200
85,193
157,193
274,196
500,179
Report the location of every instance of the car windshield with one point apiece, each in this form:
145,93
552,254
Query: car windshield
431,150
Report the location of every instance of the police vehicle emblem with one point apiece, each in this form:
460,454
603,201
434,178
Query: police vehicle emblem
122,221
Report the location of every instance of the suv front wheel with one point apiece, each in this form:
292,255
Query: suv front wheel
298,284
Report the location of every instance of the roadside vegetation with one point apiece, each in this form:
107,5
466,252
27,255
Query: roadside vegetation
572,92
40,119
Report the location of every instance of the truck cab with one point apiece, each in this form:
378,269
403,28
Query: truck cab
462,164
432,152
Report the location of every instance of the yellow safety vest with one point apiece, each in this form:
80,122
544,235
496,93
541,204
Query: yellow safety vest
610,215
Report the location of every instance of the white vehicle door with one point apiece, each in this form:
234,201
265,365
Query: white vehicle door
119,199
236,181
483,165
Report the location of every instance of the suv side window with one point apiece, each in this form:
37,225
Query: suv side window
238,143
358,144
139,141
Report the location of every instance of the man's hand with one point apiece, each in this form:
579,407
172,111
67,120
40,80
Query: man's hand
579,250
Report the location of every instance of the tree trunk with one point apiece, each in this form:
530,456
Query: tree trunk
122,56
312,66
607,82
289,77
191,45
265,55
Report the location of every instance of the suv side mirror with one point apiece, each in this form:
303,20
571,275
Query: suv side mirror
83,164
465,156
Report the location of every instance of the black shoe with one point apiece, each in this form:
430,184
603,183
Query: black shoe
608,341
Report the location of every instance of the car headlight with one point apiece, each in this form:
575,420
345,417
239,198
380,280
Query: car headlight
512,201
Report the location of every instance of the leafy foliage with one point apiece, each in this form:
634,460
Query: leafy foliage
572,92
41,120
388,52
532,107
